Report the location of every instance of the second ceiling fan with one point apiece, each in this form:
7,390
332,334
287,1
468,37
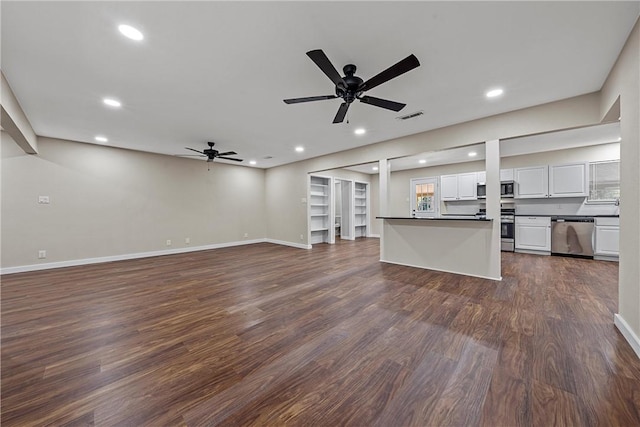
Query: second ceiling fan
351,87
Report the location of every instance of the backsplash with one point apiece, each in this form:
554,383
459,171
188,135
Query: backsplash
555,206
563,206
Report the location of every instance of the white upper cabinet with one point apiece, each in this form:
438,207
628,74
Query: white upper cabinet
569,180
481,176
458,187
506,175
532,182
467,186
449,187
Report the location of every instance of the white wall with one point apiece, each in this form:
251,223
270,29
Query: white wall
623,83
108,201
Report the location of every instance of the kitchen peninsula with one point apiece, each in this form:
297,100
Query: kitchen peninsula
457,245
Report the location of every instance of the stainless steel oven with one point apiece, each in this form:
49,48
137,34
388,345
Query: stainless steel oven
508,229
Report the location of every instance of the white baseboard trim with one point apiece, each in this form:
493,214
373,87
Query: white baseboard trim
627,333
377,236
532,252
97,260
285,243
442,270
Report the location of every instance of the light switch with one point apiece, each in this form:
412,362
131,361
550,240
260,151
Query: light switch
303,200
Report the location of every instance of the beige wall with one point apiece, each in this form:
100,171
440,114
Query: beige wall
623,82
285,185
108,202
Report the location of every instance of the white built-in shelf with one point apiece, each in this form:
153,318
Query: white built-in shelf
319,209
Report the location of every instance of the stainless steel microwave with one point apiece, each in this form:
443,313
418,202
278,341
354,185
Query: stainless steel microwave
481,190
506,190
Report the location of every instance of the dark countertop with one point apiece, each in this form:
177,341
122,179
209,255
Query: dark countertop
572,216
470,218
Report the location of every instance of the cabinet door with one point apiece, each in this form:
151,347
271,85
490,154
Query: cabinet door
533,233
533,237
532,182
449,187
569,180
607,240
481,176
506,175
467,186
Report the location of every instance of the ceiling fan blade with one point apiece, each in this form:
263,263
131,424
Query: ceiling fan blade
227,153
189,155
383,103
194,150
342,111
308,99
407,64
326,66
229,158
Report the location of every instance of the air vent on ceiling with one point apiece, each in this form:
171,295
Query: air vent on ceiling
411,116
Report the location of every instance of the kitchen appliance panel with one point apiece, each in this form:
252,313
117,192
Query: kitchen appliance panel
506,189
572,236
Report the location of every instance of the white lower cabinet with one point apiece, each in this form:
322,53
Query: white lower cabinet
607,237
533,233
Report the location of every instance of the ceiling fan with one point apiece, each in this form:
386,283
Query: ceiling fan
351,87
211,154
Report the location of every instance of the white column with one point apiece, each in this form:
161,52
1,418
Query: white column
384,177
492,166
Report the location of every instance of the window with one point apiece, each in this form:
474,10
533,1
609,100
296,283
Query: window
604,181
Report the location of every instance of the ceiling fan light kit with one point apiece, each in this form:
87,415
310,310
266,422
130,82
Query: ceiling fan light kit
351,87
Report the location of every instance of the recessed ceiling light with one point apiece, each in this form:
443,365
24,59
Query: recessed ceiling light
422,161
299,149
252,162
494,92
112,102
472,154
101,138
130,32
375,168
359,131
619,139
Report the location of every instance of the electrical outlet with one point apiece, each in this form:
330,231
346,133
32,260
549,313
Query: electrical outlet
246,235
168,242
42,254
187,240
43,200
301,237
303,200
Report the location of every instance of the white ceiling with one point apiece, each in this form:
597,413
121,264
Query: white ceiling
218,71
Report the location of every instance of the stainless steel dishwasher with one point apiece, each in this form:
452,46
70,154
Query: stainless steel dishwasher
572,236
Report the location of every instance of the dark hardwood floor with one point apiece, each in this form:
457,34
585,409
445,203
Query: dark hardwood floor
271,335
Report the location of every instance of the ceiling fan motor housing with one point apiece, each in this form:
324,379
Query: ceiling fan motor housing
349,92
